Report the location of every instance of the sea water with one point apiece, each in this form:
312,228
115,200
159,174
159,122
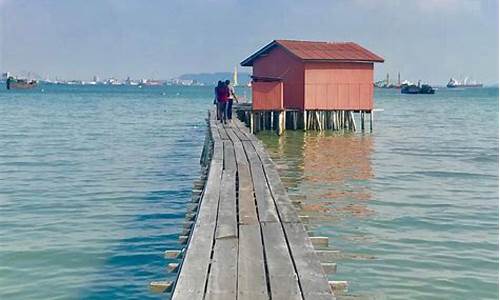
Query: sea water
94,183
95,180
413,206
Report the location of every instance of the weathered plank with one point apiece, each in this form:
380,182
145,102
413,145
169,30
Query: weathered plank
229,158
312,278
246,201
223,272
227,224
282,277
240,134
222,131
252,282
231,133
265,203
218,152
286,211
247,206
193,273
245,130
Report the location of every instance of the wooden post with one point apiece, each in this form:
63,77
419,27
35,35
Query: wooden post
305,120
272,120
362,120
284,120
251,122
294,116
353,121
316,113
280,122
371,120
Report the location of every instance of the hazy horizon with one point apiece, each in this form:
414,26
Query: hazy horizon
431,40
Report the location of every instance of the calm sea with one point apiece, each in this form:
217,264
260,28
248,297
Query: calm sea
413,207
94,183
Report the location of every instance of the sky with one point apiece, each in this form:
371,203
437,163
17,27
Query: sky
430,40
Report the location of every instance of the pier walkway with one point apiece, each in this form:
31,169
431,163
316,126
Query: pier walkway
247,241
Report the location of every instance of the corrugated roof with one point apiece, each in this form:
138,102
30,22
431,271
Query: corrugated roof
319,51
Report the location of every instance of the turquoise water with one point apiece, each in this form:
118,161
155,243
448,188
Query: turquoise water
94,183
93,187
413,207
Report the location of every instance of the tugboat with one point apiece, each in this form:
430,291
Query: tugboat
417,89
16,83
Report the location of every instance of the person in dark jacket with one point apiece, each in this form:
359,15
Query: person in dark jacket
222,98
216,99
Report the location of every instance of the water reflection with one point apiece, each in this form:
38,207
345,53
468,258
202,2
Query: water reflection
328,172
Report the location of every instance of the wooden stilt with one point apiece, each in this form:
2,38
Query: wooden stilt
371,120
262,121
333,120
284,120
318,120
272,120
294,116
362,120
280,116
353,121
305,120
251,122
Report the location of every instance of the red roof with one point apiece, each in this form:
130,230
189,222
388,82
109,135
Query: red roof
319,51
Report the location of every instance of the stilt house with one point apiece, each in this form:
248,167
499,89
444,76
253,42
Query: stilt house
303,76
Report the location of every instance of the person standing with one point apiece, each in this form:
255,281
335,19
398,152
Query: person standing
222,98
216,99
232,97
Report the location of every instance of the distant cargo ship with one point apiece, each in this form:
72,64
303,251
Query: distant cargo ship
16,83
463,84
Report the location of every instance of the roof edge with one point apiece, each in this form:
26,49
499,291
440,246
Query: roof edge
248,62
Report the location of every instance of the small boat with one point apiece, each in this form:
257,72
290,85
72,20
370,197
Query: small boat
17,83
417,89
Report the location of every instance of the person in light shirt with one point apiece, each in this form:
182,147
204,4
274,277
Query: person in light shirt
232,97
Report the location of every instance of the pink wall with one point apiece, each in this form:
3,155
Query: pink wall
279,63
267,95
333,85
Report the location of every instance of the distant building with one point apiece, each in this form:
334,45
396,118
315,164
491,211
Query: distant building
5,75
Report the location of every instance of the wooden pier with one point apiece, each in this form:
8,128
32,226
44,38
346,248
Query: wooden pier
244,239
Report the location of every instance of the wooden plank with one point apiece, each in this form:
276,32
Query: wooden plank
227,225
229,158
252,283
265,203
240,134
218,152
222,132
247,206
282,277
286,210
312,278
244,130
285,207
190,284
246,201
223,272
193,272
214,132
231,133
